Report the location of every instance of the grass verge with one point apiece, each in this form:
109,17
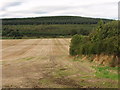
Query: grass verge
107,72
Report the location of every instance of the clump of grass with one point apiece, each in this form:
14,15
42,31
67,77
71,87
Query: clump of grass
28,58
78,58
104,72
113,62
62,73
44,81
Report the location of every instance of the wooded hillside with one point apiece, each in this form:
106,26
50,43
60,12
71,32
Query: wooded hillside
57,26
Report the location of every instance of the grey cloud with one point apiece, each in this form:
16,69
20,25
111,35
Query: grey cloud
40,12
44,9
10,4
52,8
119,10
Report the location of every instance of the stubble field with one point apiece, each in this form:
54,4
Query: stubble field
46,63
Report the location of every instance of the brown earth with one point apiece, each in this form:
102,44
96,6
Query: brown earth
45,63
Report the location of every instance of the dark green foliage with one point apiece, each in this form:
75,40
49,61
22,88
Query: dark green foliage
52,20
12,33
76,43
49,30
73,32
104,40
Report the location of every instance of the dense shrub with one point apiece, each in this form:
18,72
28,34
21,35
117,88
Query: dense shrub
12,33
104,40
75,42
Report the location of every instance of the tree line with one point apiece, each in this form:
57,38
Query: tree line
52,20
20,31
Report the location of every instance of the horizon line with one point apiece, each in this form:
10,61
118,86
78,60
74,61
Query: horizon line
58,16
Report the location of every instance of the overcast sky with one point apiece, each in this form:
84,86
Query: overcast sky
36,8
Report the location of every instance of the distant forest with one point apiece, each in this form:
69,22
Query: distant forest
52,20
54,26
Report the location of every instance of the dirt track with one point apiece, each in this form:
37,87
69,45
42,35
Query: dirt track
45,63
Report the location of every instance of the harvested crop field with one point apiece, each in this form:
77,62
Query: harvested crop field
45,63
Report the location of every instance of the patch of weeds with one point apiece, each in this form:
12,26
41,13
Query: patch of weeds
67,82
105,84
104,72
77,59
85,76
63,73
110,85
2,62
90,58
28,58
44,81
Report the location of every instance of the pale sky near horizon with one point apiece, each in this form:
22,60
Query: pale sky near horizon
37,8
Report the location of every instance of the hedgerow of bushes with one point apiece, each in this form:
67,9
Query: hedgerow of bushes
104,40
